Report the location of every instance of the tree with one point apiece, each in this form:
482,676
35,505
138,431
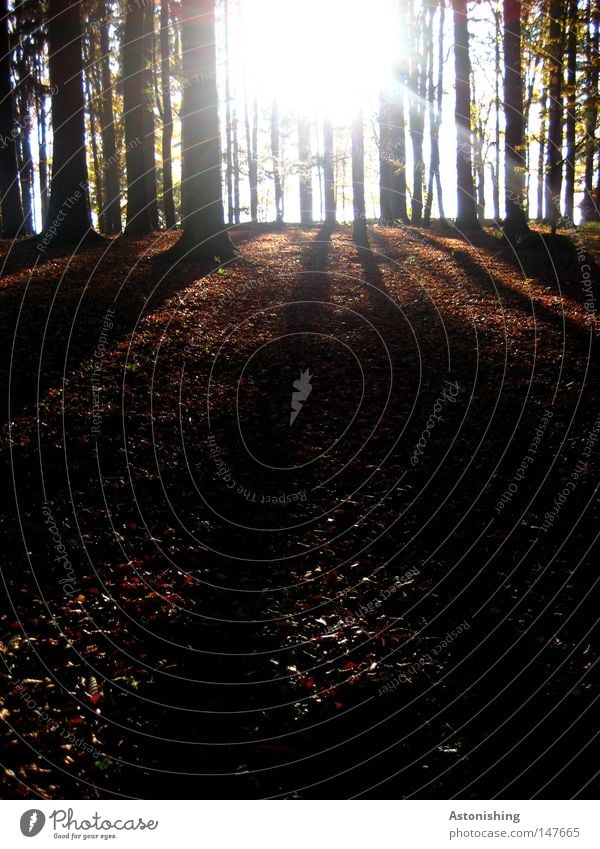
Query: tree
142,203
203,222
589,209
10,199
276,157
555,52
435,96
514,159
466,218
167,128
69,206
305,171
417,82
571,105
109,142
359,227
329,172
392,137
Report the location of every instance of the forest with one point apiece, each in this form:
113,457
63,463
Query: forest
300,398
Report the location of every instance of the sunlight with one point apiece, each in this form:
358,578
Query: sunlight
315,56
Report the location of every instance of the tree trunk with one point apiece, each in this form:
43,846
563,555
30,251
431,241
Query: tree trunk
167,128
109,144
417,121
329,172
359,228
541,160
69,208
236,165
305,169
434,99
204,232
42,121
589,210
11,208
98,176
555,52
570,119
497,80
228,128
514,161
466,218
142,203
276,157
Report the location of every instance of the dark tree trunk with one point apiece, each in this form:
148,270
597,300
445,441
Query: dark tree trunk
435,116
98,176
305,168
497,80
142,203
392,146
167,128
417,89
329,172
555,53
359,228
541,160
42,120
514,159
11,208
276,157
109,143
589,210
204,232
69,208
570,120
228,128
466,218
236,166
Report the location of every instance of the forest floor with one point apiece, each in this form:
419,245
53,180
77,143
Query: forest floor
396,595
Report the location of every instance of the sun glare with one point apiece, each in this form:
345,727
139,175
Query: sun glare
326,56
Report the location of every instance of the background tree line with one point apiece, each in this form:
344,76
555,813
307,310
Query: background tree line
139,116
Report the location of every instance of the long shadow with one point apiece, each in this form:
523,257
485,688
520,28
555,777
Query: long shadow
313,284
53,320
477,270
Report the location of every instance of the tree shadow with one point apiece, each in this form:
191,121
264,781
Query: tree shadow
53,314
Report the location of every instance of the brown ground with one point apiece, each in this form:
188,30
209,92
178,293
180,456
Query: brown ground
229,644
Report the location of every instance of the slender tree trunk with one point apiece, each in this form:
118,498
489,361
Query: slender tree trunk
228,128
167,128
10,199
417,121
466,218
204,232
589,210
570,118
555,53
276,157
305,166
251,144
236,166
514,160
329,172
109,143
142,204
42,121
359,228
69,208
497,80
541,160
98,177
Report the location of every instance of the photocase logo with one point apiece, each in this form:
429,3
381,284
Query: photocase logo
32,822
303,388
